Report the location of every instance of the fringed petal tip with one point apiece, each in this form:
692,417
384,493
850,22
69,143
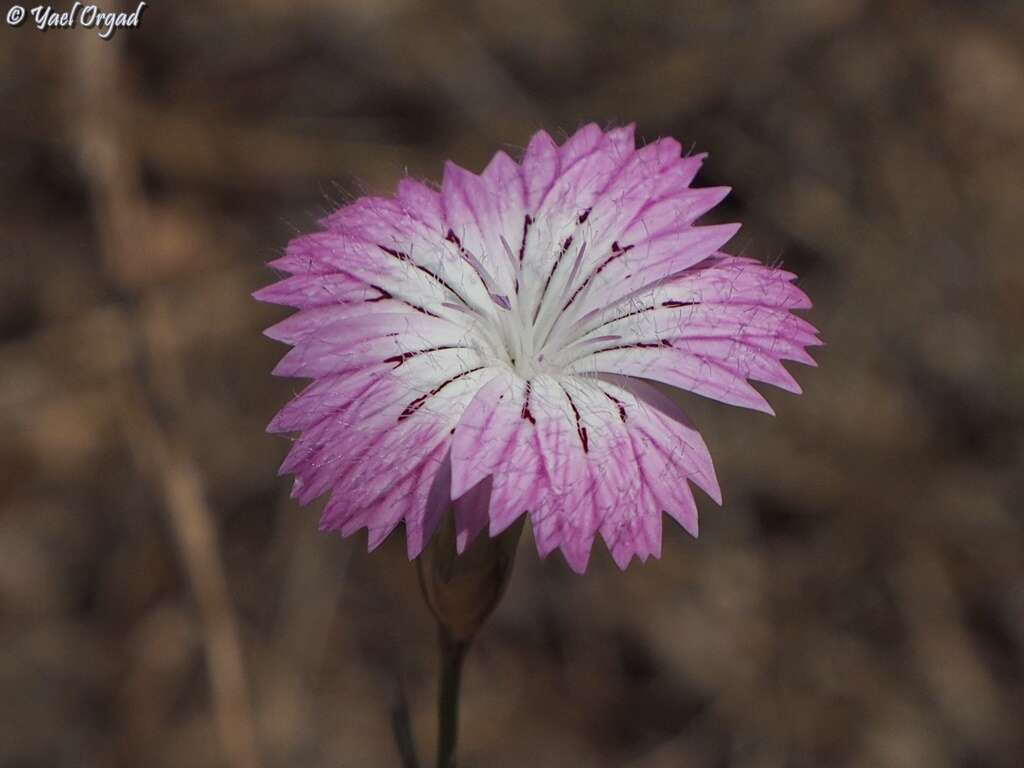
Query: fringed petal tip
576,550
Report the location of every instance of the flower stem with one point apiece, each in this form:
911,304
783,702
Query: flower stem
461,590
453,652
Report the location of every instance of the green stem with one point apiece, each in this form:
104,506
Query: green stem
461,591
453,652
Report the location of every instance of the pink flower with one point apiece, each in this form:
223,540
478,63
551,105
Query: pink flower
491,343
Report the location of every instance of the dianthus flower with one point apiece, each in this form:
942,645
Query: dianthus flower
490,347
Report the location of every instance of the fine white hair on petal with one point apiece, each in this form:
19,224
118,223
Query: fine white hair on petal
491,348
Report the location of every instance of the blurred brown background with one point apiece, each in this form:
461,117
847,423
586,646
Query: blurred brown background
858,600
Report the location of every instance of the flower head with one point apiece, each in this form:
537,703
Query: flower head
490,346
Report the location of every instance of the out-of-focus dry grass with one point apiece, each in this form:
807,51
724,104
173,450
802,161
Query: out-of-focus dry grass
859,600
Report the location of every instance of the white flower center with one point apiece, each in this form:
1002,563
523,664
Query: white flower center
539,328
